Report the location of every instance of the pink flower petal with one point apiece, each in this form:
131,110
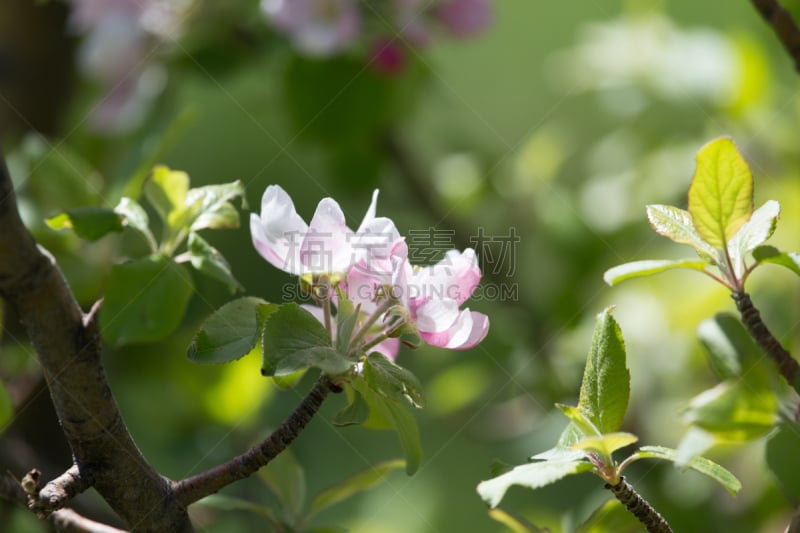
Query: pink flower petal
480,327
454,277
388,348
362,286
470,329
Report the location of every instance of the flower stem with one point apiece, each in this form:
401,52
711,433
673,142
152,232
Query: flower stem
374,342
326,304
382,308
639,507
751,318
201,485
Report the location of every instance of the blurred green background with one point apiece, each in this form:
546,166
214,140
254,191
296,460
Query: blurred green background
557,124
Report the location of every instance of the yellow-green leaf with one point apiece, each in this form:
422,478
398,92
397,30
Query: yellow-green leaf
721,194
167,190
606,444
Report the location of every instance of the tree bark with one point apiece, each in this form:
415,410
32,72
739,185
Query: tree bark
69,349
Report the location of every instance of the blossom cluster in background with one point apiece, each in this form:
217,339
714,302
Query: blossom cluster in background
119,51
386,30
371,266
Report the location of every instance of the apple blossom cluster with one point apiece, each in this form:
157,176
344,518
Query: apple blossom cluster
386,29
369,267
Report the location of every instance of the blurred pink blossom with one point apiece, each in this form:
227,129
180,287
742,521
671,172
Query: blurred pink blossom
464,18
316,27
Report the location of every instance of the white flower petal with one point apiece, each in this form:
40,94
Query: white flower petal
278,233
437,315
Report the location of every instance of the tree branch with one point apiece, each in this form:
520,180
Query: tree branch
68,521
69,351
784,26
196,487
65,520
55,494
751,318
639,507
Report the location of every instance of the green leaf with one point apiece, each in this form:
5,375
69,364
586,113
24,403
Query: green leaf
695,442
207,259
356,412
770,254
698,464
514,522
289,381
134,216
531,475
563,450
167,189
721,193
755,231
90,223
734,410
345,320
727,344
145,300
294,340
230,503
359,482
405,425
606,444
211,206
637,269
580,421
676,224
611,517
231,332
392,380
781,452
287,480
606,381
387,413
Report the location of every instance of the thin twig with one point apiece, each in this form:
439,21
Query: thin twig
196,487
65,520
784,26
639,507
55,494
787,365
68,521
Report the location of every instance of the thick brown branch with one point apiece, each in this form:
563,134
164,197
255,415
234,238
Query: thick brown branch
639,507
784,26
787,366
196,487
69,351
